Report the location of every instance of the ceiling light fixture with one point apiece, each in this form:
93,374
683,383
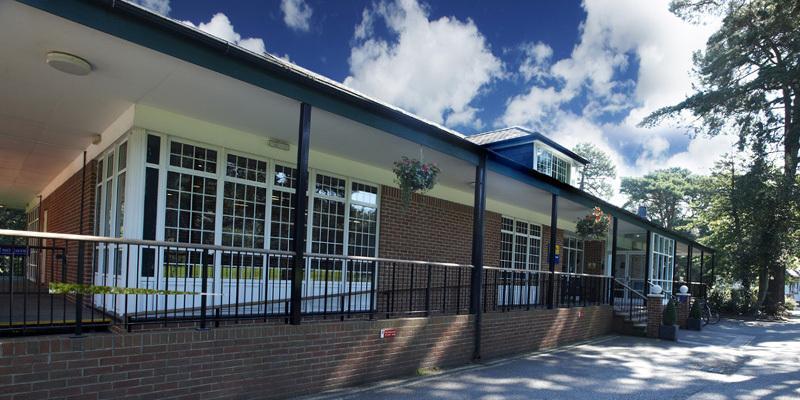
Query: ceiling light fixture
68,63
278,144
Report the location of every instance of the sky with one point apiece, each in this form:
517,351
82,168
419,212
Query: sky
575,71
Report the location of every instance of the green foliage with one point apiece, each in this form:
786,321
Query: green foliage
747,85
694,312
593,226
733,301
790,303
74,288
670,316
12,218
601,171
414,176
668,195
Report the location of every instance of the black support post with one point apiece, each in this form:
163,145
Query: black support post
614,229
689,267
702,282
551,250
674,266
299,220
647,263
81,255
713,262
479,209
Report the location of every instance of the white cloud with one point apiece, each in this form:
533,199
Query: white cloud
432,68
611,41
536,62
297,14
221,27
158,6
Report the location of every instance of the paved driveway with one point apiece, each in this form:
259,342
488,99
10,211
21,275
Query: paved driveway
733,360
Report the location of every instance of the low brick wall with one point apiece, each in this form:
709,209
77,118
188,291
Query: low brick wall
272,361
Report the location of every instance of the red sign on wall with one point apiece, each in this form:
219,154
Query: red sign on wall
388,333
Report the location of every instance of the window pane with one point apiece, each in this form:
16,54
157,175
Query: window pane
330,186
192,157
123,156
362,240
282,222
246,168
364,193
240,212
153,149
194,207
285,176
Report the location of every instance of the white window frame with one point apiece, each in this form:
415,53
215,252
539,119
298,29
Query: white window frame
528,238
662,261
570,250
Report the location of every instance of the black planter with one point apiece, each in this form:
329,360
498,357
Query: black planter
668,332
694,324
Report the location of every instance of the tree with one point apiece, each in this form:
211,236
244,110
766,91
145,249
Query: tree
596,177
12,218
748,83
667,193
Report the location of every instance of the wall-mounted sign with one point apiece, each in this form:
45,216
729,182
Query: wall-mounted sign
13,251
388,333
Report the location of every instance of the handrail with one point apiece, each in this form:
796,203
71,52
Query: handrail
389,260
630,288
139,242
161,243
540,271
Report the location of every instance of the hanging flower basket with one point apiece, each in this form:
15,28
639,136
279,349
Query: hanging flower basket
414,176
594,226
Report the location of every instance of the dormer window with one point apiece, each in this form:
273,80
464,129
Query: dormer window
550,164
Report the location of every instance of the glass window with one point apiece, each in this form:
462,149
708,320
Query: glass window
192,157
191,204
520,244
153,149
282,210
246,168
244,213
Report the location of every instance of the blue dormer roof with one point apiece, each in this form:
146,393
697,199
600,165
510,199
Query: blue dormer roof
508,139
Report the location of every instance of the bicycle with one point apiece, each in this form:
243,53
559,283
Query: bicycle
709,316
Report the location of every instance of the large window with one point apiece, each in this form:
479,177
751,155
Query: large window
662,263
109,206
550,164
520,244
572,255
253,208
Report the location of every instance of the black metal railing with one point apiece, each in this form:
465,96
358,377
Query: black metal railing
101,281
507,289
628,302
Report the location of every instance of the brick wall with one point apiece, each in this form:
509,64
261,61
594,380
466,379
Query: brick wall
272,361
655,312
594,252
63,207
432,229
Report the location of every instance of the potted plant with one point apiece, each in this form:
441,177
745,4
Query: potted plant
414,176
668,329
593,226
694,322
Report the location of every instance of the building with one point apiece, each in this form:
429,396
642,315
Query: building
177,157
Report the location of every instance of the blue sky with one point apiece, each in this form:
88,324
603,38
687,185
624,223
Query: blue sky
576,71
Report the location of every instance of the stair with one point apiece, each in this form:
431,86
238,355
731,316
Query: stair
630,320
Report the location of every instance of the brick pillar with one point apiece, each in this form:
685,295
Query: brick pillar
655,311
684,305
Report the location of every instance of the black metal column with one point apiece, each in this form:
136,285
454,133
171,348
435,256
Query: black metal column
551,251
479,209
702,282
689,267
713,262
614,225
647,263
299,206
674,266
80,270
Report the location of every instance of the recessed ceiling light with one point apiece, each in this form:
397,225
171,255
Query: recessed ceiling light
68,63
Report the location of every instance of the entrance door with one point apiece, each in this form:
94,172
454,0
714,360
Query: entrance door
629,269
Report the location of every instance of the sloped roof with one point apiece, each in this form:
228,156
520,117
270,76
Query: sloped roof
499,135
488,139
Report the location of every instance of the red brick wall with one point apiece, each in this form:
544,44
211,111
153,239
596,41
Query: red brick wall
546,247
518,332
63,208
432,229
272,361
